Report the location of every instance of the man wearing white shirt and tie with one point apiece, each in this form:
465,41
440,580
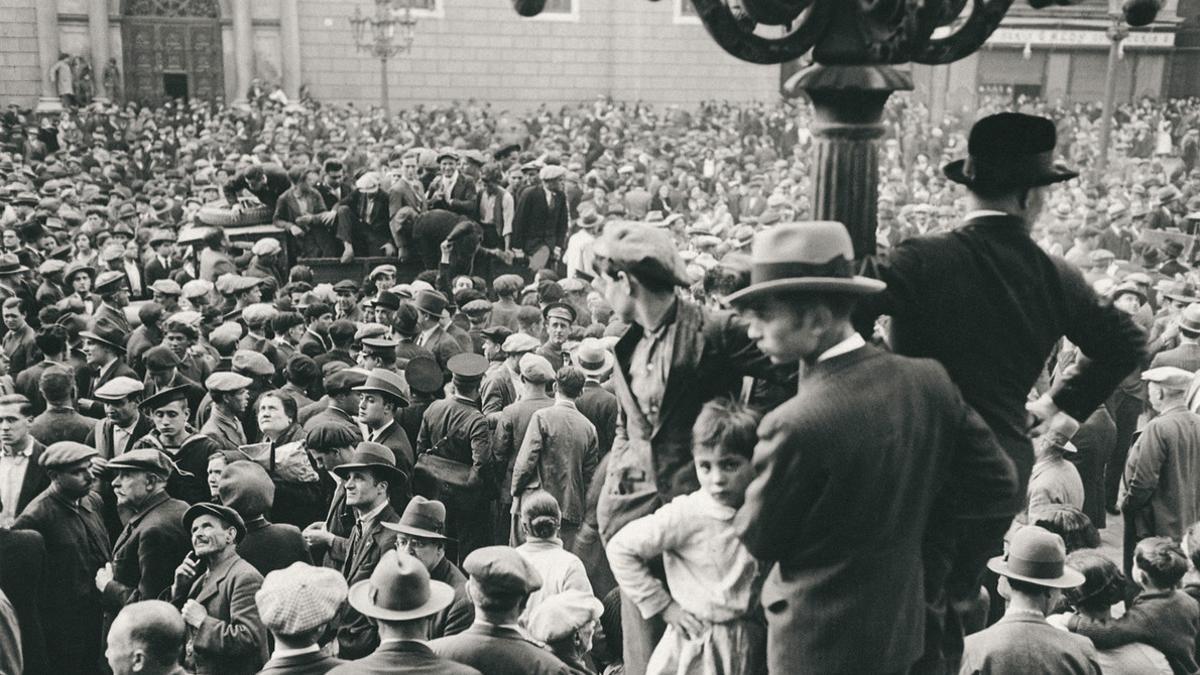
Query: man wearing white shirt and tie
21,476
380,397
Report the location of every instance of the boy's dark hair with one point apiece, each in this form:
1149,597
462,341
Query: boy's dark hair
727,424
570,381
1162,560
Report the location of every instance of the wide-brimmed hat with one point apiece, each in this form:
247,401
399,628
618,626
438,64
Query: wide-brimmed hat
814,256
374,456
425,518
10,264
386,382
430,302
107,333
400,590
1010,150
1038,557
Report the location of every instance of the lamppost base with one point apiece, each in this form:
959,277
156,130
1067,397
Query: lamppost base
848,104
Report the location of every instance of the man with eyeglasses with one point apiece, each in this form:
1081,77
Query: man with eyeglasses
420,534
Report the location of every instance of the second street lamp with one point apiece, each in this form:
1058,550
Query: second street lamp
386,33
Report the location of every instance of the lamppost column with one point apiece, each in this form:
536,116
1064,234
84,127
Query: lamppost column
243,48
47,42
384,97
98,37
1116,33
848,105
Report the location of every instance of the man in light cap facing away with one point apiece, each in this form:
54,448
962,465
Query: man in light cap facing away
296,604
500,583
67,515
365,214
566,622
502,385
1055,481
265,263
540,223
1160,495
534,375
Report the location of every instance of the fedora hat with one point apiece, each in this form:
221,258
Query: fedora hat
430,302
1189,318
425,518
814,256
108,333
1010,150
1038,557
592,357
386,382
375,456
10,265
400,590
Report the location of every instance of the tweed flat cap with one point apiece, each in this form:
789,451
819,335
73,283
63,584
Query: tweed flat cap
196,288
266,246
160,358
247,488
66,453
501,570
520,343
227,382
300,598
252,363
166,287
562,614
118,389
536,368
643,250
258,314
1169,377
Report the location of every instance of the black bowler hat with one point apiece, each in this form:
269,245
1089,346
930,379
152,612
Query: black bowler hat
1010,150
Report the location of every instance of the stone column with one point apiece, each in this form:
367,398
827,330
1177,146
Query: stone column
289,29
47,41
848,105
98,36
243,48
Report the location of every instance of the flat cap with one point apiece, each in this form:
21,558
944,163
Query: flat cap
66,453
1169,377
226,382
197,288
160,357
259,314
345,285
266,246
300,598
110,281
477,308
145,459
221,512
497,334
423,375
501,570
247,488
551,171
52,266
251,362
344,380
643,250
118,389
520,343
536,368
389,270
166,287
560,615
368,183
379,345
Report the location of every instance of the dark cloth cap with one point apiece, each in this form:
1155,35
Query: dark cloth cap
497,334
342,331
247,488
302,369
423,375
501,570
388,300
160,358
224,513
405,321
645,251
331,435
344,380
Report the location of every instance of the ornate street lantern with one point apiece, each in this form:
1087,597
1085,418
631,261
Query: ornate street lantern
855,45
384,35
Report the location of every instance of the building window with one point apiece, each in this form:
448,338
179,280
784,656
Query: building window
424,8
560,10
685,12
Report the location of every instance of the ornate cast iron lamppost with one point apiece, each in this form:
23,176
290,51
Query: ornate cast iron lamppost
855,44
388,33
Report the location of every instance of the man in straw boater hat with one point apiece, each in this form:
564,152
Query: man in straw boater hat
1033,575
848,437
401,598
990,305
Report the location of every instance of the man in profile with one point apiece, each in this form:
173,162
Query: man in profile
146,638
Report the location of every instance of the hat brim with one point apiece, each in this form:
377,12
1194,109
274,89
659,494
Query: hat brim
390,394
96,338
954,172
610,360
19,269
440,597
345,469
1068,579
853,286
416,532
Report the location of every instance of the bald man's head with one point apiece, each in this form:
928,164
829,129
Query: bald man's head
145,638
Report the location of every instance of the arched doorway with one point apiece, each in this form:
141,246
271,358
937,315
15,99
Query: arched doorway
172,50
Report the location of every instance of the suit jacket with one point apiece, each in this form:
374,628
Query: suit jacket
77,545
61,424
405,203
372,232
464,199
443,346
458,615
991,305
1027,644
313,344
232,639
21,350
1161,473
397,441
559,455
1186,356
860,421
404,657
113,315
146,553
498,390
314,663
651,459
497,650
26,383
600,406
271,546
1119,244
22,580
357,635
537,222
156,271
511,426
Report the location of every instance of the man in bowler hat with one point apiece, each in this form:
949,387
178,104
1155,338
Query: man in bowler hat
990,305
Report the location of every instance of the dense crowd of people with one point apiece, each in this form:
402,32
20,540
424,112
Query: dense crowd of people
633,412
